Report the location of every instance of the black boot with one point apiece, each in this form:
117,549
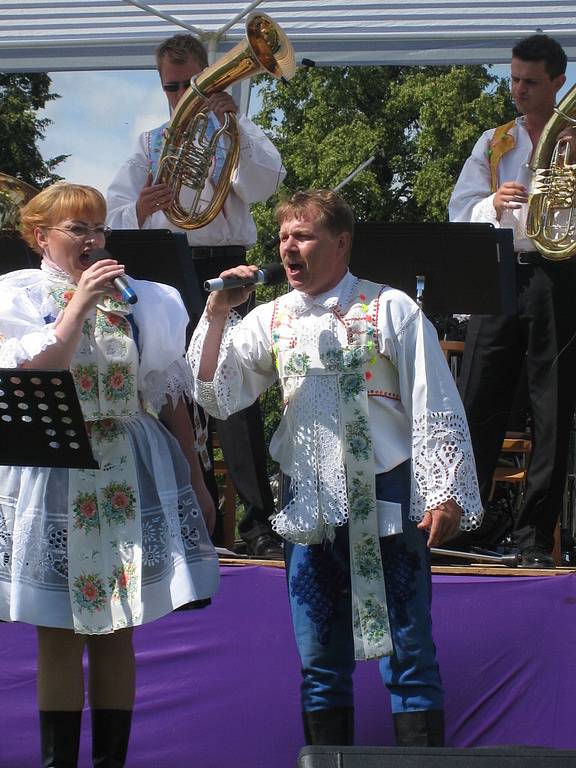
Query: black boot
110,736
334,726
423,728
60,738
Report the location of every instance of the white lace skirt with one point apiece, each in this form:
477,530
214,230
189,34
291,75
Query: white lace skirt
34,521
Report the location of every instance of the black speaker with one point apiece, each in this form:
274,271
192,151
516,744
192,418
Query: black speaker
427,757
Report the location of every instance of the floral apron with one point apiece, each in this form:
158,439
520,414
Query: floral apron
323,365
104,524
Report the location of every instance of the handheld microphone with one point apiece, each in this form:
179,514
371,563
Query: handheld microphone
268,274
120,283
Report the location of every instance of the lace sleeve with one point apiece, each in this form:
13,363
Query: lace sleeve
245,368
174,383
443,467
214,395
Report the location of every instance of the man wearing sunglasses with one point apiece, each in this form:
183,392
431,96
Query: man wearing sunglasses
135,202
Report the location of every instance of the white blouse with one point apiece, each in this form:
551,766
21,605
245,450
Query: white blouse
259,174
28,319
473,200
428,418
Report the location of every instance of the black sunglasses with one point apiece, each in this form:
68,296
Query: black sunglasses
175,86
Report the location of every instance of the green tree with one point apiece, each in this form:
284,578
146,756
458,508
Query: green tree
21,96
327,121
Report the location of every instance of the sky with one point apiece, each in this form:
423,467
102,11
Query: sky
101,114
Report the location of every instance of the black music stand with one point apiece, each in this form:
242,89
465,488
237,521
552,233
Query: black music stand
162,256
449,269
14,253
463,268
41,422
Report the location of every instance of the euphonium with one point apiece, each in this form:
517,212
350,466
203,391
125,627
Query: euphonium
189,150
13,195
551,218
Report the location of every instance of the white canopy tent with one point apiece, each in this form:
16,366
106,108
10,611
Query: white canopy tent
66,35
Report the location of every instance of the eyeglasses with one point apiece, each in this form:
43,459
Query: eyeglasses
172,87
81,231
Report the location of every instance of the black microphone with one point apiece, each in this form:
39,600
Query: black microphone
268,274
120,283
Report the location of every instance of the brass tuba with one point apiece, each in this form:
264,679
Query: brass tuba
13,195
551,217
189,151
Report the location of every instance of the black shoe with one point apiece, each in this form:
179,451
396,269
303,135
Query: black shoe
420,728
266,546
334,726
60,738
536,557
110,737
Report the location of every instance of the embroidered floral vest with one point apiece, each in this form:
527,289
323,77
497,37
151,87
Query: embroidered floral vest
295,358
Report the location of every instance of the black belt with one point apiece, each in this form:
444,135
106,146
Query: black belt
529,257
218,251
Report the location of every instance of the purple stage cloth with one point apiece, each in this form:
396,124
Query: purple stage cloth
219,687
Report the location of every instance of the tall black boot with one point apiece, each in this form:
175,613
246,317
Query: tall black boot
423,728
110,736
334,726
60,738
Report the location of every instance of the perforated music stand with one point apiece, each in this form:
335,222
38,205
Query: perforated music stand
467,268
41,422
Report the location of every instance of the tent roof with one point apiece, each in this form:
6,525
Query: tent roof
59,35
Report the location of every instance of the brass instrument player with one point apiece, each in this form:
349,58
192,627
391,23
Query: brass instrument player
135,202
494,187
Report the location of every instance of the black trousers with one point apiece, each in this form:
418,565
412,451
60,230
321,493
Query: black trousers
541,336
241,436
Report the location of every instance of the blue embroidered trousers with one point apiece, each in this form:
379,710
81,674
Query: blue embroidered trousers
319,592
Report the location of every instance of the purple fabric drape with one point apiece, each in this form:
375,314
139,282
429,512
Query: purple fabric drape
220,686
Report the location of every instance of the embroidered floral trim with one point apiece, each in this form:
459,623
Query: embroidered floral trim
122,583
351,386
358,437
118,503
85,512
360,497
119,382
375,620
297,364
86,381
108,322
105,430
89,592
367,558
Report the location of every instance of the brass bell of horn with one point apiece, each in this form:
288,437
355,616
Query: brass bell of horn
551,217
189,150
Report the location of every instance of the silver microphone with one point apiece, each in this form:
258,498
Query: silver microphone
268,274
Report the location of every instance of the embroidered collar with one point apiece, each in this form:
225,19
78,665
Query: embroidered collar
339,297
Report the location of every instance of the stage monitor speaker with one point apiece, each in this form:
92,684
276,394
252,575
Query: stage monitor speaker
427,757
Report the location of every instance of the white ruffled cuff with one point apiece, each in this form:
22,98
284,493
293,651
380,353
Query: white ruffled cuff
14,352
175,382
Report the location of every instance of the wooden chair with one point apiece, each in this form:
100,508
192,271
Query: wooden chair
516,447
